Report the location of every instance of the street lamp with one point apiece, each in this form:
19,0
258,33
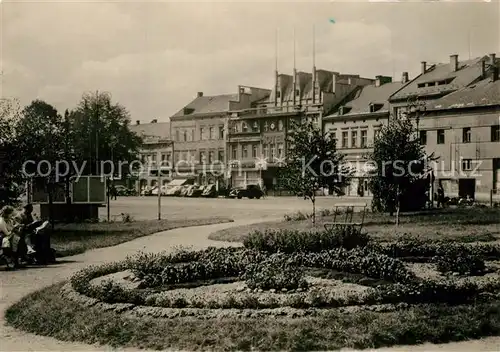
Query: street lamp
416,108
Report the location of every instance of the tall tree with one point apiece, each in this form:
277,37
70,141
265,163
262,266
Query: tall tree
10,176
401,165
101,132
40,139
312,163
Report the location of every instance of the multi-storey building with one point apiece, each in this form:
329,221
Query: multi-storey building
458,122
257,136
355,125
199,133
155,154
463,130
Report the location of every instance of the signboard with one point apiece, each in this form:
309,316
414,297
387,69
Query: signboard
89,189
40,195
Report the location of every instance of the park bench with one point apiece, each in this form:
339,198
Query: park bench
345,219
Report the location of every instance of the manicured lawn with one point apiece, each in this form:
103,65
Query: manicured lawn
461,224
46,313
73,239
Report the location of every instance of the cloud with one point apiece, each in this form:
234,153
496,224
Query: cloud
154,57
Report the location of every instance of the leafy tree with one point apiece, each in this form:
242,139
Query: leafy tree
101,131
401,164
312,163
40,137
10,176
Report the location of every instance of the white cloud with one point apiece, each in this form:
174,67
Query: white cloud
154,57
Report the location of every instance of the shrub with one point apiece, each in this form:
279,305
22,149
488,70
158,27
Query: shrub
461,263
290,241
358,261
277,272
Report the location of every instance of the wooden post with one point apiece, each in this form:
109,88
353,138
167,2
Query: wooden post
491,198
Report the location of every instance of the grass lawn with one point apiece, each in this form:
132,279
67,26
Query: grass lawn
46,313
71,239
462,224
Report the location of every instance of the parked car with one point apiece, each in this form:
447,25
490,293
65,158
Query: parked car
147,191
195,191
173,191
124,191
210,191
250,191
184,190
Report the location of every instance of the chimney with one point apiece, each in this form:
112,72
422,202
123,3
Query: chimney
423,65
200,94
404,78
138,122
378,81
483,69
454,62
494,67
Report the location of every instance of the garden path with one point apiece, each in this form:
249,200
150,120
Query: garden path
16,284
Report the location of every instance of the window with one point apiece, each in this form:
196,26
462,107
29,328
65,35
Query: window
203,158
143,159
192,135
333,134
254,150
364,138
466,164
297,92
423,137
234,152
202,132
163,156
221,132
153,158
375,134
211,133
220,157
278,94
185,135
211,157
266,126
273,152
244,153
280,150
177,135
265,150
244,127
495,133
440,136
345,139
354,139
466,135
280,125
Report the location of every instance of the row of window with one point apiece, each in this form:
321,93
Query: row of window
353,138
202,156
205,133
269,151
466,135
152,157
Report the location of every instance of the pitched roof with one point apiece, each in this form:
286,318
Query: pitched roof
158,129
208,104
447,80
483,93
371,94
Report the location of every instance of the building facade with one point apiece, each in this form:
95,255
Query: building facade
458,123
257,137
156,153
199,132
355,125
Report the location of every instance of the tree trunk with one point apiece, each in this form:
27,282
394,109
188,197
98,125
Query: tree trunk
51,204
313,200
398,205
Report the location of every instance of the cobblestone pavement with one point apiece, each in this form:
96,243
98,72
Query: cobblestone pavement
16,284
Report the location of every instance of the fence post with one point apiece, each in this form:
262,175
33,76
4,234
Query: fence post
491,198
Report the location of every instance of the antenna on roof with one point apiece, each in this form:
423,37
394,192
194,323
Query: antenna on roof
276,50
314,46
294,48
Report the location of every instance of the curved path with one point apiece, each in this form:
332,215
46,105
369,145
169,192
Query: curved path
16,284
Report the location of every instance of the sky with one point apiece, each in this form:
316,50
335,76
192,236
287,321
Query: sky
153,57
